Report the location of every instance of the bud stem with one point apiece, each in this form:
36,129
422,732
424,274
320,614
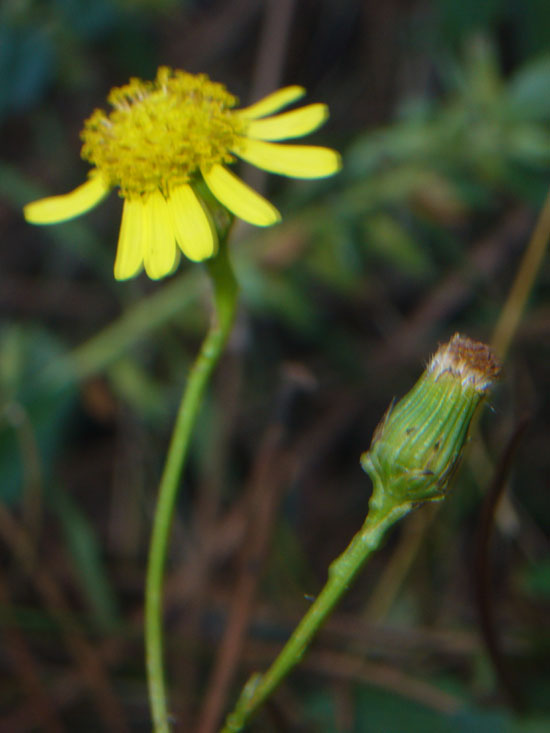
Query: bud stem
341,574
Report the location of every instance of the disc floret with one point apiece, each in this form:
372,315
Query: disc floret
159,134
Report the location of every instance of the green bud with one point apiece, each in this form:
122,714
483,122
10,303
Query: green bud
419,443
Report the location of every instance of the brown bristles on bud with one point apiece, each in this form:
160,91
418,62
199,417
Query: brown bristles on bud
471,361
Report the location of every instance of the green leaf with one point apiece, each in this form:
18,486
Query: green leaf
26,67
527,95
85,552
32,417
536,579
388,240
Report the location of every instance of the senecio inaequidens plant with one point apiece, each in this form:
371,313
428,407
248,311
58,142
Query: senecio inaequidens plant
414,453
166,146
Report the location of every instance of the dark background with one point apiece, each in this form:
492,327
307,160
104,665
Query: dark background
441,111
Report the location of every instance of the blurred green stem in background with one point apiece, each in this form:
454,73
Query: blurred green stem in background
225,297
133,326
514,308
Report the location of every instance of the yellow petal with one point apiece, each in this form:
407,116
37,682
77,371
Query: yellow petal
239,198
296,161
177,260
290,124
272,103
54,209
193,229
129,256
159,242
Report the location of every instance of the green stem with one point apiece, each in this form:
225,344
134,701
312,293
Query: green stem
225,296
341,574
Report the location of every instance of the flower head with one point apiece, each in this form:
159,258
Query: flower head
162,138
418,445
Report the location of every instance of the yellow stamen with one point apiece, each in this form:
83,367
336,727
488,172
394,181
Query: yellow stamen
160,133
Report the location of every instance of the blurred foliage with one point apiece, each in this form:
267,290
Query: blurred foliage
442,112
34,420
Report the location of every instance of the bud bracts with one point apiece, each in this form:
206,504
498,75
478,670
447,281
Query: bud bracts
418,444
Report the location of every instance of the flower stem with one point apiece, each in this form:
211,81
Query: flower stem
225,296
341,573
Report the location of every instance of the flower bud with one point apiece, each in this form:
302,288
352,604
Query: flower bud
418,444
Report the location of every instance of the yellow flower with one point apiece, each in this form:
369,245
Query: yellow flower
160,139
